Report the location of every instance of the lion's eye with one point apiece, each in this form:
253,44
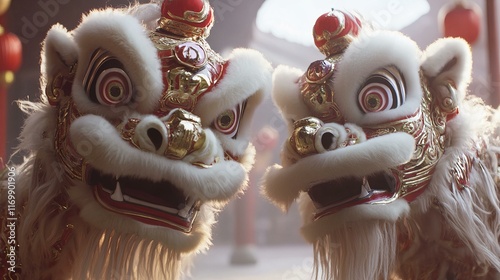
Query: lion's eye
384,90
113,87
106,81
229,121
226,121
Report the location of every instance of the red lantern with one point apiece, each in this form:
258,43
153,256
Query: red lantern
10,60
10,52
461,19
4,5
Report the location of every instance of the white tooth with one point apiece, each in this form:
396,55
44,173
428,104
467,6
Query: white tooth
365,188
184,212
117,194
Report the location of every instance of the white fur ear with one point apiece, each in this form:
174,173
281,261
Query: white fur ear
59,52
286,94
448,59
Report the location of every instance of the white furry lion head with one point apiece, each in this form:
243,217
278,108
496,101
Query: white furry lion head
149,128
365,117
368,128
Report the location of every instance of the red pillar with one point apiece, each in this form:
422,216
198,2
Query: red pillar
245,211
246,214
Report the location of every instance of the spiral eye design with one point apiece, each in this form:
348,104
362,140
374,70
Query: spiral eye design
383,90
106,81
229,121
113,87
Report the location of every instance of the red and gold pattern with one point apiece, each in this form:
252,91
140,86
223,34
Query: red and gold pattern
316,87
427,126
190,69
333,31
187,18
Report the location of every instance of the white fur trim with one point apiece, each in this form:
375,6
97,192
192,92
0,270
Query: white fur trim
99,143
339,133
125,38
286,94
248,74
312,230
283,184
247,77
357,64
43,118
247,160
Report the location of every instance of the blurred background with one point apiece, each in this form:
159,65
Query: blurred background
250,228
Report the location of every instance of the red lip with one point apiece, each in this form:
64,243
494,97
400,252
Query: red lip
154,203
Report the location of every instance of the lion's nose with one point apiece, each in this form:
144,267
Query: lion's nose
148,134
174,136
312,136
155,137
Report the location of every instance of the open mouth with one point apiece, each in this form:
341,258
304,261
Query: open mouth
333,196
154,203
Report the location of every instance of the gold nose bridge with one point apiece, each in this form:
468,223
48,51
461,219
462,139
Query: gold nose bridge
185,133
303,136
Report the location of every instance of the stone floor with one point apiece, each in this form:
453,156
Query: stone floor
293,262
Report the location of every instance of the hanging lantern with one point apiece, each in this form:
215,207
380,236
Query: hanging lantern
10,52
10,60
4,5
462,18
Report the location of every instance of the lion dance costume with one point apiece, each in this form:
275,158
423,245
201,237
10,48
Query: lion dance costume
394,166
140,136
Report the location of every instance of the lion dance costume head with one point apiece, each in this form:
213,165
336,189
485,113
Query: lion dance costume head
393,165
141,135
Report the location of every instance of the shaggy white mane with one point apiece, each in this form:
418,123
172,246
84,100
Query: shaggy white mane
450,231
64,233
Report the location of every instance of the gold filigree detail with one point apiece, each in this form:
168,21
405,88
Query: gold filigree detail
186,134
316,88
60,86
427,126
72,162
303,135
461,169
190,69
192,16
332,47
128,131
183,29
184,89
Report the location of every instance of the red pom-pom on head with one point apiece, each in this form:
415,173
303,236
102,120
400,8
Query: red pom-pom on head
333,31
187,18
